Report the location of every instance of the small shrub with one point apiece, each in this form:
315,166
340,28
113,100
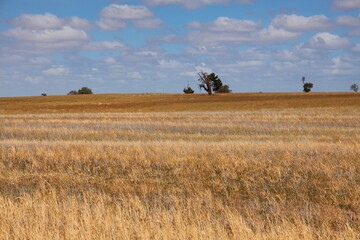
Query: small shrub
224,89
72,92
354,87
188,90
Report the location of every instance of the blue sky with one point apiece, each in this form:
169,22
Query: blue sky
52,47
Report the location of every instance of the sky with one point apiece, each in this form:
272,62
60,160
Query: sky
159,46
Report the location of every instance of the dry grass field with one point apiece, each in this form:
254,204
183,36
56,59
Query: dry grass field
107,103
167,166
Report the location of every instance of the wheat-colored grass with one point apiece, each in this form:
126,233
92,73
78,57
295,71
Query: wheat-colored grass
152,102
283,173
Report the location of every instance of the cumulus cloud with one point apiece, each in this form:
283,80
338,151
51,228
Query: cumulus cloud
110,24
298,23
31,47
163,63
346,4
40,61
354,33
356,48
189,4
34,79
148,23
248,64
225,24
325,40
49,21
47,35
272,35
114,17
126,12
55,71
199,68
110,60
134,75
44,33
192,4
78,23
105,45
265,36
225,31
348,21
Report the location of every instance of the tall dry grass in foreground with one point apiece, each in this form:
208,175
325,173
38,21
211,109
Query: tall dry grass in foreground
292,174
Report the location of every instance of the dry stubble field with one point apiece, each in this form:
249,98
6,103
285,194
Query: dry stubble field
157,166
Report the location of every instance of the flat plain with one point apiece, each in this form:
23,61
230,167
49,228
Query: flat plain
176,166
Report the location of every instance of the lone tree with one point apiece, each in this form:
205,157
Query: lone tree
85,90
354,87
212,82
307,85
205,82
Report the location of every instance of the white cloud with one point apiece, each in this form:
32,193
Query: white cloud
225,24
325,40
49,21
11,58
47,35
110,24
31,47
110,60
245,1
192,4
78,23
189,4
105,45
346,4
34,80
208,51
114,17
40,61
148,23
340,66
147,53
248,64
126,12
197,69
272,35
232,32
298,23
348,21
356,48
37,21
56,71
354,33
169,63
134,75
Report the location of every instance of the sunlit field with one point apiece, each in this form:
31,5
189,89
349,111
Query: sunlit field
168,166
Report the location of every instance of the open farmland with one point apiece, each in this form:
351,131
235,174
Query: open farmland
168,166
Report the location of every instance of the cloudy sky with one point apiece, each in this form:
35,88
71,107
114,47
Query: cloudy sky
54,46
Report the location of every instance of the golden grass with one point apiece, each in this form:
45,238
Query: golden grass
174,102
277,171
